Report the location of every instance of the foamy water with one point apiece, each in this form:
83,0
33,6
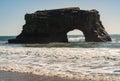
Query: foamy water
92,61
61,61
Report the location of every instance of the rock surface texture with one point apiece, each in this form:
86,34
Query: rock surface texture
53,25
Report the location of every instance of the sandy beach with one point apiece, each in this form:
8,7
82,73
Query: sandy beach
17,76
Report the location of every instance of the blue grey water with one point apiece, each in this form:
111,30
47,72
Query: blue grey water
74,41
75,58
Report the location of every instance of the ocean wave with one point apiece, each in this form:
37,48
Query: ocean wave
67,61
96,61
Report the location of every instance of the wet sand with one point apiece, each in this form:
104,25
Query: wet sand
16,76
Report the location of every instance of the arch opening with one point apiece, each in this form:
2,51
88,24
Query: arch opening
75,36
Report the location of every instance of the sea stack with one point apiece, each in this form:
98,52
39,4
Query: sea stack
53,25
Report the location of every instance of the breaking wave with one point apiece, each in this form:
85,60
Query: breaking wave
64,59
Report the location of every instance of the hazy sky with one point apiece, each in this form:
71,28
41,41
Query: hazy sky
12,12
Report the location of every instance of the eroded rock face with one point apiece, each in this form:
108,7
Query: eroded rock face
53,25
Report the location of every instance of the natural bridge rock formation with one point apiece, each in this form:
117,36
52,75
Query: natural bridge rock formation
53,25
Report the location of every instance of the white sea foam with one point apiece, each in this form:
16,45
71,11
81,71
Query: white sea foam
64,61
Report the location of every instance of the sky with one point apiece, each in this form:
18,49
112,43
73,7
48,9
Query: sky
12,12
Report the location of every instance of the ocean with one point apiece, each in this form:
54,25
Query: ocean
74,59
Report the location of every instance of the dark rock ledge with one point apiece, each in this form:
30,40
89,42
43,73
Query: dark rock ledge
53,25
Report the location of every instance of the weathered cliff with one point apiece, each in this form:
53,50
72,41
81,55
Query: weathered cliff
52,26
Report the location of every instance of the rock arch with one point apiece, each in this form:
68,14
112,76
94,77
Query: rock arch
52,26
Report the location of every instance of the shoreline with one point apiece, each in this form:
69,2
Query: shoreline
59,64
17,76
29,76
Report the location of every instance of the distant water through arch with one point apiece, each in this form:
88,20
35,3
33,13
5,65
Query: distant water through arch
75,36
